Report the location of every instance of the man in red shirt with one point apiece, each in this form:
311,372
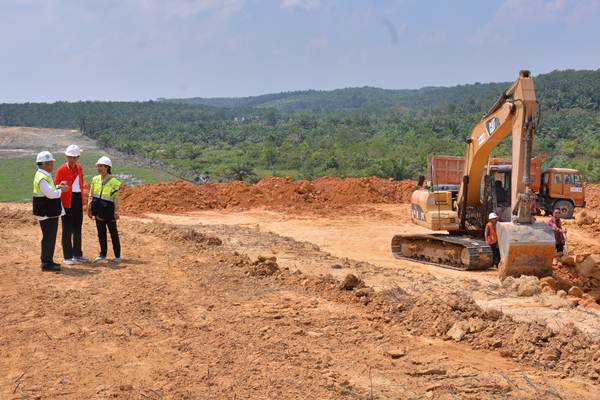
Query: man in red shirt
72,201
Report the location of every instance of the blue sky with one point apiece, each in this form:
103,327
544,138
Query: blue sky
143,49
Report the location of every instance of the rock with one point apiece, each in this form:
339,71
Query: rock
528,286
590,267
457,331
475,325
264,266
575,291
337,266
567,261
589,303
562,294
584,218
363,292
429,371
396,353
214,241
547,289
508,282
579,258
350,282
548,280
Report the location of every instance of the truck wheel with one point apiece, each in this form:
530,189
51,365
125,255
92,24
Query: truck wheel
566,208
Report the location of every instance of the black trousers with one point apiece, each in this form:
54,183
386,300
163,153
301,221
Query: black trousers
49,230
496,253
71,228
560,247
114,236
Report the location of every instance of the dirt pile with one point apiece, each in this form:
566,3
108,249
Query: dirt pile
578,276
178,234
14,216
274,193
587,220
592,196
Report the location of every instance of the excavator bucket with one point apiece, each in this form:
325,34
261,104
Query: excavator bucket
525,249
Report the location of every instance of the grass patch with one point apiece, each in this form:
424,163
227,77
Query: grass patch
16,174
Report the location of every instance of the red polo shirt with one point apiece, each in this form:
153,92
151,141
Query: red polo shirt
64,173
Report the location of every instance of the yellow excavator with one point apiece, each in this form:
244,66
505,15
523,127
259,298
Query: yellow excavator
526,247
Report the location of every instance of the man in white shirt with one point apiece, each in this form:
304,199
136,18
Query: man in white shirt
47,207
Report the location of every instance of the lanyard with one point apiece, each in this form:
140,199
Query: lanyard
104,183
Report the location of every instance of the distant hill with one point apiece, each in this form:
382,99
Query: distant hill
557,89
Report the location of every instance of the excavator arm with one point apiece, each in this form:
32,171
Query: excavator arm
516,112
526,248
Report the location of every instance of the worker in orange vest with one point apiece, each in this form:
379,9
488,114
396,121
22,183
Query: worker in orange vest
491,237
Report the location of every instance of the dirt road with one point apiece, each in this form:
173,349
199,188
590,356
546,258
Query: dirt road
186,316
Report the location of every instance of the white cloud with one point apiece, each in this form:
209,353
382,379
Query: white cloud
511,13
191,8
301,4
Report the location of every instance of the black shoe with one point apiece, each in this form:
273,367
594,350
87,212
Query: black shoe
51,267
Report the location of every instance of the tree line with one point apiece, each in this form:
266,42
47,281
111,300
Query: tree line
345,132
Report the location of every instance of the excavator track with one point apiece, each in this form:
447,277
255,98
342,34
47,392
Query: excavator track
455,252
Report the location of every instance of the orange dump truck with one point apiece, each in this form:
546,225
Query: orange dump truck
560,188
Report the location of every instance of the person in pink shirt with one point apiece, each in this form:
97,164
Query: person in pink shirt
559,232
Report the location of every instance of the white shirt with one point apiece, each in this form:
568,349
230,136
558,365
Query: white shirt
50,193
75,188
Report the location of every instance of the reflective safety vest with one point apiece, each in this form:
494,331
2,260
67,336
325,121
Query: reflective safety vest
107,190
43,206
491,238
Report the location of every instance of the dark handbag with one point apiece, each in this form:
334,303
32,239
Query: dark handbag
103,209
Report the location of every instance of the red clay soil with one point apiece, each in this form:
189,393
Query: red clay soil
274,193
592,196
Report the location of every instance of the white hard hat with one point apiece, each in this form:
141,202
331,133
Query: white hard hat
44,156
104,161
493,216
73,151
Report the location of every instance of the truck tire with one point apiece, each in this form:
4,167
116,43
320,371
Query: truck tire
566,208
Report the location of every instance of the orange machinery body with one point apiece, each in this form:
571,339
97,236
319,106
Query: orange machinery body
550,185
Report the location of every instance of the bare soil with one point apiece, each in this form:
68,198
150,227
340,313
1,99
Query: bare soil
25,141
205,311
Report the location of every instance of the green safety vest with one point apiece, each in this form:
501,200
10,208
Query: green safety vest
37,179
43,206
105,191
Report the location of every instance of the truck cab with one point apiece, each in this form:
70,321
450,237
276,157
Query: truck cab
562,188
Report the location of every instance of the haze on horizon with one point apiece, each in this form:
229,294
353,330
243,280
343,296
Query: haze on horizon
145,49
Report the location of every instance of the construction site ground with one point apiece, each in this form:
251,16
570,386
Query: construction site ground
198,310
280,290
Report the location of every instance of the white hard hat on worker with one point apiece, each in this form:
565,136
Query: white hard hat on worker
104,161
73,151
44,156
493,215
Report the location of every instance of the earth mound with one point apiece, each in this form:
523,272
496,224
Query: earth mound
275,193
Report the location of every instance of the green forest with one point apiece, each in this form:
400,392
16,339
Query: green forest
345,132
